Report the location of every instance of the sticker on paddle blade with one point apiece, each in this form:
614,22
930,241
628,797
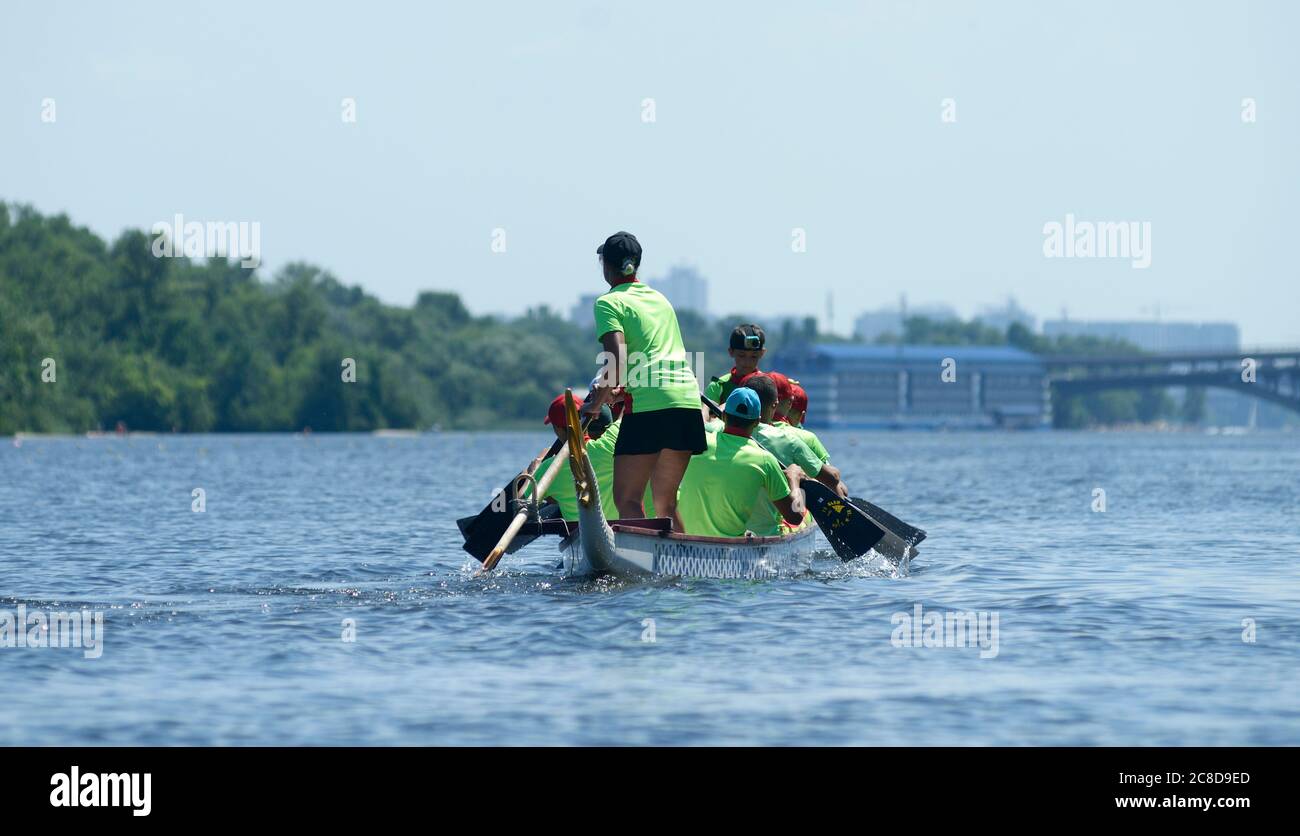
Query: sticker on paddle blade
848,531
837,517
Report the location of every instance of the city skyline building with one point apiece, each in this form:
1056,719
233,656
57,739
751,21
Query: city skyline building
685,288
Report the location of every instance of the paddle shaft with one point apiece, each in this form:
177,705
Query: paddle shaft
467,525
520,518
543,486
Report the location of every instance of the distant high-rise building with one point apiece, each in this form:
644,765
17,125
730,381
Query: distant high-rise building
1007,315
1153,335
872,325
685,288
581,314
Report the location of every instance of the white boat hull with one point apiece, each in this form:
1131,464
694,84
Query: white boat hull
650,549
664,554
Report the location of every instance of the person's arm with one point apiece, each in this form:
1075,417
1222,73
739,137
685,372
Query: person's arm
792,507
788,512
614,345
799,453
704,407
829,476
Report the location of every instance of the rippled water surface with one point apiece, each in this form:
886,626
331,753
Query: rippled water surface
224,627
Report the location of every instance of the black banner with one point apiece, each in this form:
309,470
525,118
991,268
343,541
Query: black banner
341,785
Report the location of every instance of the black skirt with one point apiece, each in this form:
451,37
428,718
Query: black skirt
662,429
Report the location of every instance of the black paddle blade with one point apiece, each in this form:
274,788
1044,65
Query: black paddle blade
466,525
483,532
490,523
910,533
850,532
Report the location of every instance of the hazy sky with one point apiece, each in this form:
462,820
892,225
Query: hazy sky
826,117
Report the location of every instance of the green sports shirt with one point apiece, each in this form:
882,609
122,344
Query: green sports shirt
727,484
788,448
719,388
807,437
659,372
601,453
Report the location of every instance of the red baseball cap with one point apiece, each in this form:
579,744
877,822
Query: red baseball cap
556,415
799,403
784,386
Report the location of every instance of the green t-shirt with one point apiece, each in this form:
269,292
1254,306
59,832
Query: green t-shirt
601,453
788,448
724,485
807,437
659,373
719,388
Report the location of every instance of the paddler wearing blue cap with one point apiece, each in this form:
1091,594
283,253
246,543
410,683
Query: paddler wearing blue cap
735,485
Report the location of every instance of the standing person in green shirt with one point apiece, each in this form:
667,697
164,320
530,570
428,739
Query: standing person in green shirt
644,357
726,485
746,347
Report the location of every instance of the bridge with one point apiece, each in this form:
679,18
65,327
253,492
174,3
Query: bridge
1270,374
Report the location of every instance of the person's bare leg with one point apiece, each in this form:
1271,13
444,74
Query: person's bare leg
631,475
664,481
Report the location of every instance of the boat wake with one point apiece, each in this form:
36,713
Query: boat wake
531,577
870,565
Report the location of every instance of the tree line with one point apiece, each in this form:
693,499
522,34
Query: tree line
165,344
94,335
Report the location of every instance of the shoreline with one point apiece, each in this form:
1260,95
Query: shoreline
527,429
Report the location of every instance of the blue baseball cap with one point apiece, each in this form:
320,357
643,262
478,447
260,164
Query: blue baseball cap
743,403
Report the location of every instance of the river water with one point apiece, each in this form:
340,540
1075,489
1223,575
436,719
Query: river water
1170,617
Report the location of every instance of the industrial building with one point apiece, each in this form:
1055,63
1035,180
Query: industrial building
856,386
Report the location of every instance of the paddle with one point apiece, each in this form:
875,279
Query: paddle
484,530
540,490
894,525
850,532
496,513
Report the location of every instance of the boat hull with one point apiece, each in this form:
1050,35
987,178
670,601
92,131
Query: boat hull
641,553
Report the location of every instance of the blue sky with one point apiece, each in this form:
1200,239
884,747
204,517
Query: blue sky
825,117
